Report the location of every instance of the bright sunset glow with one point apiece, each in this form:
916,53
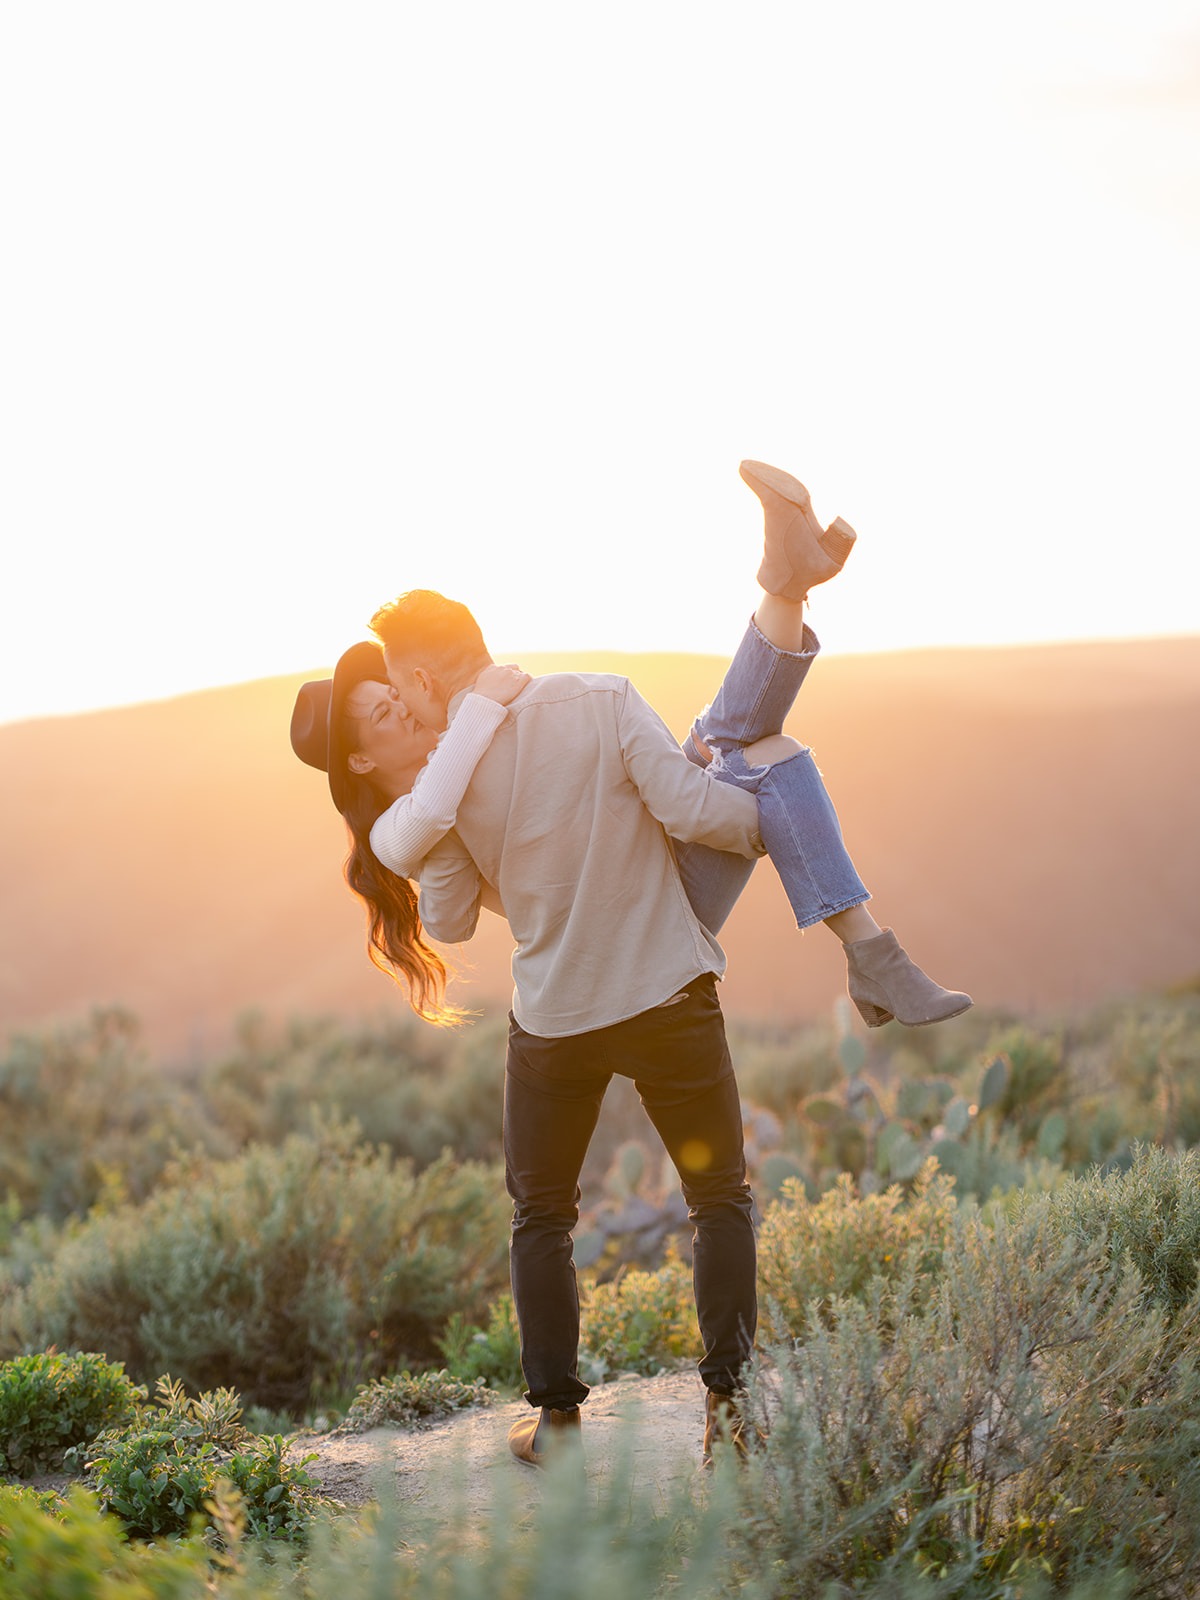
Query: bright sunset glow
307,306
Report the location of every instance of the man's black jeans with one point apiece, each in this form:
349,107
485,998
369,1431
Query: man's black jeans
679,1060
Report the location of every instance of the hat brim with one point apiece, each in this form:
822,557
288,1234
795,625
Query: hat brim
321,735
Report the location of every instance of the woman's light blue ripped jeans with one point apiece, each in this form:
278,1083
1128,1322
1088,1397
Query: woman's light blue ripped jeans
796,817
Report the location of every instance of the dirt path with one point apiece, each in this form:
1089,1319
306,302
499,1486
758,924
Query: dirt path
661,1420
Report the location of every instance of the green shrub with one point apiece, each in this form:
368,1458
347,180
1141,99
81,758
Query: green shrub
989,1159
418,1091
407,1400
50,1402
492,1354
606,1540
1149,1215
84,1114
773,1172
161,1470
30,1243
157,1483
214,1417
1028,1416
779,1067
86,1118
310,1264
638,1322
823,1251
1034,1080
48,1500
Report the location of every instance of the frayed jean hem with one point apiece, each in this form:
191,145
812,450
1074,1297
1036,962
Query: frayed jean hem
758,691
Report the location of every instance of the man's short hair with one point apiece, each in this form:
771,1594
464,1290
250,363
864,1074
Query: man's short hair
423,628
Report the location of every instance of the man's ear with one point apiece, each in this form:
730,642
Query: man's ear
425,680
359,763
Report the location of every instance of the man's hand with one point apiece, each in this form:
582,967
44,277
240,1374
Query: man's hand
500,683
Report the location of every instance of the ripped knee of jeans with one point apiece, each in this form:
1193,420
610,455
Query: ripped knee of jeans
694,746
772,750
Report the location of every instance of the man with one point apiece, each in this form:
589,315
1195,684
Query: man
566,819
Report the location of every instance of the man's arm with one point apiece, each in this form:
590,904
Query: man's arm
690,804
452,892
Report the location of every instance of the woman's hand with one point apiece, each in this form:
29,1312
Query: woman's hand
500,683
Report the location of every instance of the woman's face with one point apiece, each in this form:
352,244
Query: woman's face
389,745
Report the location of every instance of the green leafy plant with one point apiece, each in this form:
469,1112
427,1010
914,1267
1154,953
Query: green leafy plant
214,1417
159,1473
51,1402
74,1551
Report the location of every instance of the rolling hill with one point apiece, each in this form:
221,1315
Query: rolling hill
1025,817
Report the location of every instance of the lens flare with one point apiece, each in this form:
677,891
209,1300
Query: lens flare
696,1156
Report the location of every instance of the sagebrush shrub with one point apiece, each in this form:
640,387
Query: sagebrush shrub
825,1250
84,1113
408,1399
609,1540
419,1091
1149,1214
275,1271
1027,1415
51,1402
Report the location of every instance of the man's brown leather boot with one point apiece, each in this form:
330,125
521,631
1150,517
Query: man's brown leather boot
543,1434
724,1424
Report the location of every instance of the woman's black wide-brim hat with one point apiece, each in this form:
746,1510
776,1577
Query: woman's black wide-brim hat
320,735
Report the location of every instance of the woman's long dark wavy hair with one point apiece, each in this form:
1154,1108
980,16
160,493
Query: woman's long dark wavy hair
395,941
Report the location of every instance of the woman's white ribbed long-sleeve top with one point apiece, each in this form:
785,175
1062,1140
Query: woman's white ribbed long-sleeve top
408,830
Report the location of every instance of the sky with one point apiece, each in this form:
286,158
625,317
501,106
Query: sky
306,305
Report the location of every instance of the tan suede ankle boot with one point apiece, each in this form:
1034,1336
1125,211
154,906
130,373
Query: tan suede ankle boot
797,551
884,983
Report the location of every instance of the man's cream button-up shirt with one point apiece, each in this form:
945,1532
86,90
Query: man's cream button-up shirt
567,819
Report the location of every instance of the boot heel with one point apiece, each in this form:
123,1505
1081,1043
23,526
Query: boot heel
838,540
873,1016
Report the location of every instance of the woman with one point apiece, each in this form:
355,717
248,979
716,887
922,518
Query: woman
398,786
